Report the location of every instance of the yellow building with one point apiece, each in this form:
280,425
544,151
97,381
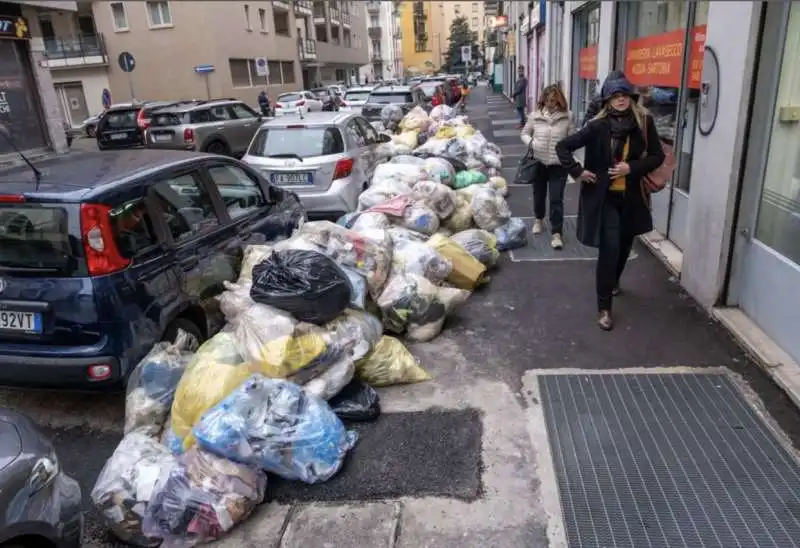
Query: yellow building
424,35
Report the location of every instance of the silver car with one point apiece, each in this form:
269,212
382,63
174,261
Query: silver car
326,158
355,98
40,505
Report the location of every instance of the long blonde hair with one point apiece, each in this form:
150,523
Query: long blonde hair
639,112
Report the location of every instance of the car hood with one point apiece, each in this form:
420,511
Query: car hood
10,443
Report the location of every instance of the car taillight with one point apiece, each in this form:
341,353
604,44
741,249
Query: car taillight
11,198
343,168
102,254
188,135
300,103
141,121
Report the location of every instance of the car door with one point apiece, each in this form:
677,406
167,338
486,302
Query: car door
245,124
360,153
314,104
373,141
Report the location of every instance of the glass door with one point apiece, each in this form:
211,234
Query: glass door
766,270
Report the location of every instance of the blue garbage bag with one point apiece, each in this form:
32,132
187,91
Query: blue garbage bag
276,425
511,235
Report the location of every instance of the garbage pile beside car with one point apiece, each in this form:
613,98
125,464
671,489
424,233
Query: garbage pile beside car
315,323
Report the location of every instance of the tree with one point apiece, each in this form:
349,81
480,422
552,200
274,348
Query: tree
460,35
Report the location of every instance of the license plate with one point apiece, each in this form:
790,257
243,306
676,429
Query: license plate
292,179
119,136
161,138
20,321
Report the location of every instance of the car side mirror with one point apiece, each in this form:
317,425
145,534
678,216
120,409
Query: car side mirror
383,138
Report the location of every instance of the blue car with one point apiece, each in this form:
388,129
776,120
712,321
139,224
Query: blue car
106,254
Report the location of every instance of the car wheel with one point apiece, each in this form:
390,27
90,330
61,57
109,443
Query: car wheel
90,131
194,334
218,147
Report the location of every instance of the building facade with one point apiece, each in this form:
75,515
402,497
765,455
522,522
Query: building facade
722,81
199,49
423,36
383,29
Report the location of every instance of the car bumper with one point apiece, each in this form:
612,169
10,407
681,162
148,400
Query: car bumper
340,198
289,112
171,146
43,371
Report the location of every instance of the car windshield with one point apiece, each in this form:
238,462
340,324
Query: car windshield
390,98
290,97
35,241
121,119
300,141
428,90
321,93
356,95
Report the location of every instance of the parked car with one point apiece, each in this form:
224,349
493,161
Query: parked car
123,125
221,126
338,89
89,125
41,504
355,98
429,89
448,90
330,101
108,255
403,96
327,159
297,102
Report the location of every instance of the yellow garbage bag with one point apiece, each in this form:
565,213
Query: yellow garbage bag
407,138
461,219
468,272
445,132
464,131
390,363
221,348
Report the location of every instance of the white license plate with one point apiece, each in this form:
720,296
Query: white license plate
292,179
20,321
161,138
119,136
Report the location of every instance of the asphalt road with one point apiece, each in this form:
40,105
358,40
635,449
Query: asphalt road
533,315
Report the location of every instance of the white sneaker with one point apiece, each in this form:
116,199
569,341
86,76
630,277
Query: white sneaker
538,226
556,242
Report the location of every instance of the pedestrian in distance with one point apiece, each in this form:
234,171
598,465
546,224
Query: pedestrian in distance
547,125
621,147
263,103
596,103
519,95
438,98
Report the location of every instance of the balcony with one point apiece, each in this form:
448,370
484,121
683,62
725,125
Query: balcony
336,16
303,7
307,50
319,13
86,50
377,57
373,6
491,7
345,19
374,32
281,5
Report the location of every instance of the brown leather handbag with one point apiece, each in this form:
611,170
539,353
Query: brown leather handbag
658,179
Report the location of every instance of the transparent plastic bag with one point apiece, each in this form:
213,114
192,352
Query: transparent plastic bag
409,174
391,149
202,498
253,254
440,198
416,120
126,485
432,147
512,234
489,209
358,284
499,185
330,382
420,218
461,219
447,297
391,115
467,272
382,191
356,329
390,363
441,112
235,299
457,148
408,159
370,220
400,233
407,138
279,427
356,402
411,257
440,170
481,244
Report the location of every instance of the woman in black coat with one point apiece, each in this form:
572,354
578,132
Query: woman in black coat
622,146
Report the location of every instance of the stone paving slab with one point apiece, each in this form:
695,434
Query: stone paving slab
369,525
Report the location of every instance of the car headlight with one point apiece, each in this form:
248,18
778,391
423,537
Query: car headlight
43,472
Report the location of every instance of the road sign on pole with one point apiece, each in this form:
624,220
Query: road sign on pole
466,54
262,69
127,63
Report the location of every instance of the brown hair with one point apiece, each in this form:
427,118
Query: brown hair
561,100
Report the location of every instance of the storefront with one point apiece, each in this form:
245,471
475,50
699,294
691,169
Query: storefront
535,66
659,46
585,40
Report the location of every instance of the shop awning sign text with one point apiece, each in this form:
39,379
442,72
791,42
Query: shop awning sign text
587,63
15,27
657,60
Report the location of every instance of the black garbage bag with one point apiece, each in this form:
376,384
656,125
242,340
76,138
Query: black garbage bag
458,165
357,401
308,285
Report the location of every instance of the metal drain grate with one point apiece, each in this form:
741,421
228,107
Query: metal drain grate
659,460
538,247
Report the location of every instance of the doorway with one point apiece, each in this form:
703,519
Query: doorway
73,102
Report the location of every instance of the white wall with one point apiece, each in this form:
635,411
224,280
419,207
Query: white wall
732,32
93,81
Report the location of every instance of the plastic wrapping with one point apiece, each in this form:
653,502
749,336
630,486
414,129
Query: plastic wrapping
358,286
235,299
416,119
440,198
356,402
481,244
423,331
469,178
391,115
457,148
202,498
390,363
330,382
432,147
511,235
382,191
307,284
407,138
499,184
461,219
369,220
418,258
126,485
151,385
279,427
441,112
489,209
407,159
467,272
420,218
400,233
255,254
440,170
409,174
391,149
356,329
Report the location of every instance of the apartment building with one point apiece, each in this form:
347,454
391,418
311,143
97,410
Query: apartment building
424,35
383,29
198,49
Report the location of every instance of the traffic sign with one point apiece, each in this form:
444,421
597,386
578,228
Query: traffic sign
466,54
204,69
106,98
126,62
262,67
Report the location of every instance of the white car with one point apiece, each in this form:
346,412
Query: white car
354,98
297,102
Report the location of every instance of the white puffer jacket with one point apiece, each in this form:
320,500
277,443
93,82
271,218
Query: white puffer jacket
543,130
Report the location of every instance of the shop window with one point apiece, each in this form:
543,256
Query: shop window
159,13
19,99
586,35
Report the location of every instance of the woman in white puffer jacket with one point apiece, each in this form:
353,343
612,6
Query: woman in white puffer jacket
546,126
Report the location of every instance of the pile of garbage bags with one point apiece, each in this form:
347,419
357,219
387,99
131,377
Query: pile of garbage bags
314,323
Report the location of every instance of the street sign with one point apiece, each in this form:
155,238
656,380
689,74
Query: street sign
106,98
466,54
204,69
126,62
262,67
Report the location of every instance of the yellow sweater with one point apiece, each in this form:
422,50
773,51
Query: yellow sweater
618,184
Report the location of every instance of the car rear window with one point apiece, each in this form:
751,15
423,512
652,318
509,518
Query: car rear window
35,241
290,98
428,90
120,119
305,142
390,98
161,119
133,229
356,96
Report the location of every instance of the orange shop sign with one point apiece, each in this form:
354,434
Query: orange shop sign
587,63
656,60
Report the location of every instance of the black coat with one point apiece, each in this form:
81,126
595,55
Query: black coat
596,137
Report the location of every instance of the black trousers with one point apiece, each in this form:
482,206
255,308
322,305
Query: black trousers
615,247
550,180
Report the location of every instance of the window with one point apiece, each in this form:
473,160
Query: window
158,13
240,193
274,68
119,16
35,239
305,142
356,134
262,19
373,21
369,131
281,20
247,18
220,113
474,7
133,228
186,206
457,9
242,112
287,71
474,22
241,69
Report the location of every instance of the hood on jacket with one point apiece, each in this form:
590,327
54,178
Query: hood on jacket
618,85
